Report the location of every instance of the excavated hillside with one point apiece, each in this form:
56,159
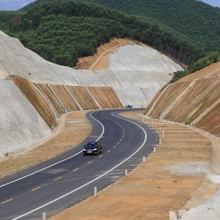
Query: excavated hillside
100,60
185,114
193,100
182,174
35,90
52,101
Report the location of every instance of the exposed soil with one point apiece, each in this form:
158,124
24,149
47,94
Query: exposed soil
213,117
100,59
65,97
168,97
212,70
81,94
193,100
47,92
42,107
106,97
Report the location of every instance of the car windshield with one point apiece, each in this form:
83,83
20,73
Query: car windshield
91,144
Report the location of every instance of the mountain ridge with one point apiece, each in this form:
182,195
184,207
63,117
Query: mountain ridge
62,31
195,19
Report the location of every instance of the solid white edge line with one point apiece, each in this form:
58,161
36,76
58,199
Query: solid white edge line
38,171
145,139
103,128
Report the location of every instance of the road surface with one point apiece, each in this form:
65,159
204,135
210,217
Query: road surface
70,178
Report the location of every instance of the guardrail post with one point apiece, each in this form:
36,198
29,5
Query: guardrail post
95,191
126,173
44,217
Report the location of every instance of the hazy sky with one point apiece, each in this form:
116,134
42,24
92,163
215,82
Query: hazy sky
17,4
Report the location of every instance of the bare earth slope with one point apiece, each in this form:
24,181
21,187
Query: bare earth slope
192,100
100,60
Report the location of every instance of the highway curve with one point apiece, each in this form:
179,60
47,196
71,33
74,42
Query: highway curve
71,177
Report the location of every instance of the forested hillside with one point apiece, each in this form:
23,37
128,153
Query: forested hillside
144,18
213,57
195,19
6,17
62,31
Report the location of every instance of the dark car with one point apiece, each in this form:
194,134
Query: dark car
92,148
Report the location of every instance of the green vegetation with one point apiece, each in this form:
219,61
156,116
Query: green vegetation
194,19
188,121
7,17
213,57
63,31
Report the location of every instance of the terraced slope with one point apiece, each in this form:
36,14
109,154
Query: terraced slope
194,99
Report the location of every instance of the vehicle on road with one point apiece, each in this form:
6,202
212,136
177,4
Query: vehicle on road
92,148
129,106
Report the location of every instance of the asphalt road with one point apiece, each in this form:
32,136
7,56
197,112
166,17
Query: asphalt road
70,178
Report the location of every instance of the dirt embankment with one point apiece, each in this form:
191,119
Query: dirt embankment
195,99
83,97
106,97
40,104
51,101
94,62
